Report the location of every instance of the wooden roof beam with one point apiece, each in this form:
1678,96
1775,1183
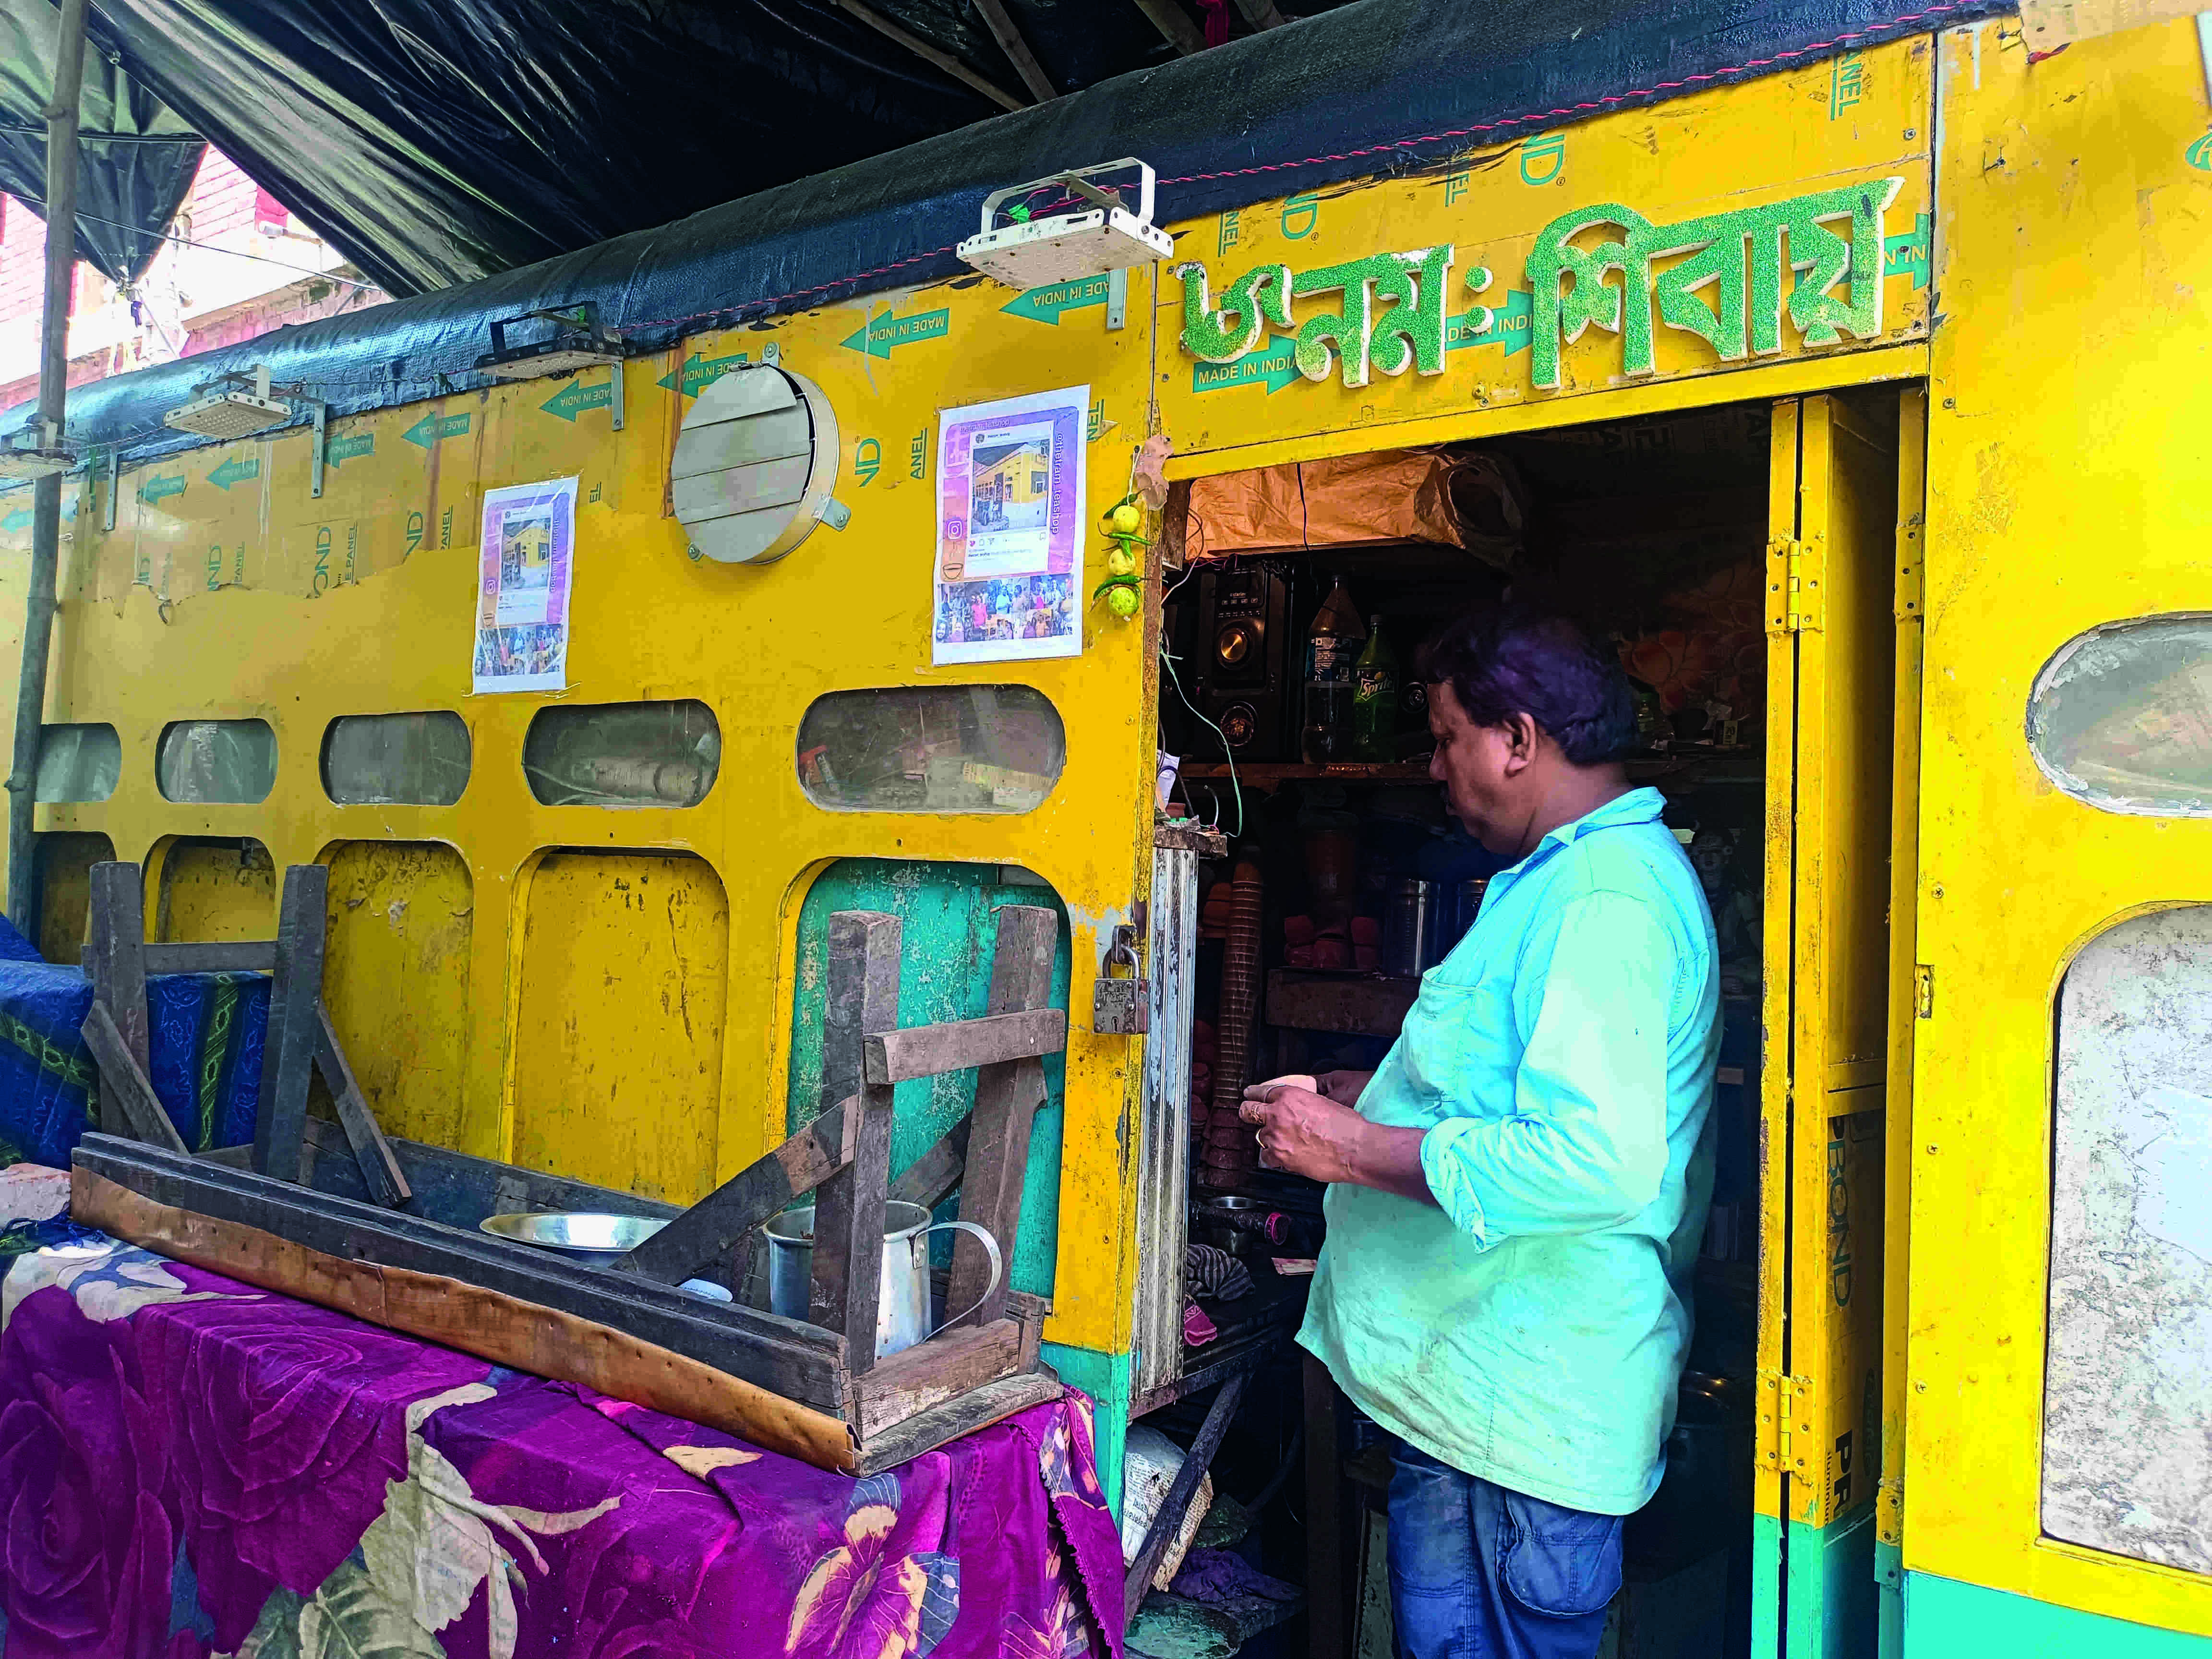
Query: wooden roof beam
930,54
1009,37
1171,21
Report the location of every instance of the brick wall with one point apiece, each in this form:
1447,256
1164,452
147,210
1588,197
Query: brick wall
22,260
221,204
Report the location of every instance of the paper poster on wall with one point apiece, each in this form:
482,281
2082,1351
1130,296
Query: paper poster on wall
1010,529
525,580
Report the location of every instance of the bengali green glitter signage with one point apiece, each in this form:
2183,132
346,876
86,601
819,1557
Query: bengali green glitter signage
1818,257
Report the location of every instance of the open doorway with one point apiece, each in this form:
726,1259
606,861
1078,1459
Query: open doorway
1300,732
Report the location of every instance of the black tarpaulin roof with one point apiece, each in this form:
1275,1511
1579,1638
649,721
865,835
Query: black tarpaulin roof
137,158
1372,87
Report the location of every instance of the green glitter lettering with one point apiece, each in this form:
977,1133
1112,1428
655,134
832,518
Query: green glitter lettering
1745,314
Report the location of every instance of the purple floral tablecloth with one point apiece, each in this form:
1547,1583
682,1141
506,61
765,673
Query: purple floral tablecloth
190,1467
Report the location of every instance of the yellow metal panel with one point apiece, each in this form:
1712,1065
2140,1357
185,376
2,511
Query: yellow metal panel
208,889
65,863
1831,530
1873,367
1823,127
1909,608
396,980
2065,489
1847,493
1776,984
1855,644
618,1047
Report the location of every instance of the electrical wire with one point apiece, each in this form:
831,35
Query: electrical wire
1167,661
209,248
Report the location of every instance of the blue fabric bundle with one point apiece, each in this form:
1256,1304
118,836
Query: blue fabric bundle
204,1034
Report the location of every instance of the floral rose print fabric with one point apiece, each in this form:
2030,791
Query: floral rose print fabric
191,1467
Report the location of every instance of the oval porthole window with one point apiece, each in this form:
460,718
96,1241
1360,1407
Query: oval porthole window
78,763
622,754
216,761
418,760
931,748
755,462
2121,716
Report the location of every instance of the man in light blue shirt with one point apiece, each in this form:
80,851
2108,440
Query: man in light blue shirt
1516,1197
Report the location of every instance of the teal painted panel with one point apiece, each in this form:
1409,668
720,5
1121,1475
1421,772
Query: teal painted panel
1832,1600
1889,1581
1765,1586
1945,1619
1813,1588
1105,1378
944,974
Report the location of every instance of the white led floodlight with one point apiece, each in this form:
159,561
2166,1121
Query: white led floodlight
24,458
234,413
1028,253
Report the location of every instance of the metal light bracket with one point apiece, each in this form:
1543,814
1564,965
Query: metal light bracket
319,450
577,341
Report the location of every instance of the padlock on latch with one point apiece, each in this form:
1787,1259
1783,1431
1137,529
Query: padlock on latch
1121,1007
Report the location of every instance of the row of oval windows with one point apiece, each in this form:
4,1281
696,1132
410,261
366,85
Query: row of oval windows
2120,718
917,749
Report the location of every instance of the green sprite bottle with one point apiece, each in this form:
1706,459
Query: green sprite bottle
1375,699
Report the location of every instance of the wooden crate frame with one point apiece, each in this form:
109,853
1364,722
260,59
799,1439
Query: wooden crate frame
822,1372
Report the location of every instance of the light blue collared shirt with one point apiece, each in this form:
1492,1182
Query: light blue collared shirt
1532,1330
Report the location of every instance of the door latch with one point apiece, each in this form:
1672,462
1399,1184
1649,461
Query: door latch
1123,1006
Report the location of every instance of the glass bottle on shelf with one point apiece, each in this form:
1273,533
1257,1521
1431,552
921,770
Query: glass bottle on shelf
1332,641
1375,699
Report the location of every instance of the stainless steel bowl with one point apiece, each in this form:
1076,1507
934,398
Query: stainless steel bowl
579,1235
1231,1204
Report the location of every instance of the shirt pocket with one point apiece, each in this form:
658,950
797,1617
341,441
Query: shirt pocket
1559,1562
1454,1035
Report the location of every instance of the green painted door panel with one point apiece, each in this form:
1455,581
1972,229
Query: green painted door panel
945,913
1947,1619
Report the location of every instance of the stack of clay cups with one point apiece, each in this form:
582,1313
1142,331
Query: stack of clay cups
1230,1153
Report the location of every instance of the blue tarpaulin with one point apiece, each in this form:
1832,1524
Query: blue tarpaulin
204,1031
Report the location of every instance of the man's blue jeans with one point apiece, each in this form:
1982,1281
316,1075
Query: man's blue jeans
1479,1573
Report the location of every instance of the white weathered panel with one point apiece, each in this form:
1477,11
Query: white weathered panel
1164,1138
2127,1463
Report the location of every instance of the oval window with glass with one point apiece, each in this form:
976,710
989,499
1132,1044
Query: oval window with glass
232,762
624,754
932,749
78,763
2121,716
400,760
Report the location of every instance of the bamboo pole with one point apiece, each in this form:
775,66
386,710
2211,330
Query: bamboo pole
46,499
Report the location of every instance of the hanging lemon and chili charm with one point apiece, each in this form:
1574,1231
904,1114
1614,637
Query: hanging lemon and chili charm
1123,590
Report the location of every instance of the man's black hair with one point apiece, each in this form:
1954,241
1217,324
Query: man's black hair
1515,660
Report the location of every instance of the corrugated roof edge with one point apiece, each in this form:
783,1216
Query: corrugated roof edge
1381,86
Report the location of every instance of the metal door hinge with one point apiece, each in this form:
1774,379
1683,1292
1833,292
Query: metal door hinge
1785,1425
1923,991
1796,571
